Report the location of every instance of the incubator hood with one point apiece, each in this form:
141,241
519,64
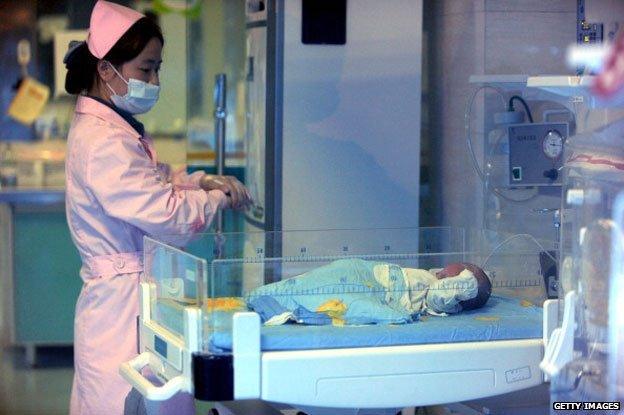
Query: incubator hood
588,365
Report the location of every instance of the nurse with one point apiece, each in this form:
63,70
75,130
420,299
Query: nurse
117,192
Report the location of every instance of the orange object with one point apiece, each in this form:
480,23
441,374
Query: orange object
225,304
335,309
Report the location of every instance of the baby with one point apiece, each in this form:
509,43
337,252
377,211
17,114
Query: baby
355,291
457,287
484,286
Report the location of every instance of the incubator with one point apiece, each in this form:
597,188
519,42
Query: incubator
201,329
586,358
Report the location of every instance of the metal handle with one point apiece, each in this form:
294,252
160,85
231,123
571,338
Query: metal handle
131,372
220,113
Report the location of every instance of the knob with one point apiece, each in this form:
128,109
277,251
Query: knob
552,174
255,6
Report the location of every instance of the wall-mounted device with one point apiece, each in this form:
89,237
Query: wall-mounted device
324,22
536,153
587,33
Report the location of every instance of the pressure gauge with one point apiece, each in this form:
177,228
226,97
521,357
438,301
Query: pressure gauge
552,145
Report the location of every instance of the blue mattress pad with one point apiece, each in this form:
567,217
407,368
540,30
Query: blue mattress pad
501,318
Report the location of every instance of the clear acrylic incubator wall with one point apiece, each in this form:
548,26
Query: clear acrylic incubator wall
346,288
592,266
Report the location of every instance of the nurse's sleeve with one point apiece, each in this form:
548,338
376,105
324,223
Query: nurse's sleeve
130,187
179,177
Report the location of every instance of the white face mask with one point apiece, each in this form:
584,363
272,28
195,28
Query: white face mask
444,295
139,99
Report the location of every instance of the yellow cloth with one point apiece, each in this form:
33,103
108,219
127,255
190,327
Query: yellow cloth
335,309
225,304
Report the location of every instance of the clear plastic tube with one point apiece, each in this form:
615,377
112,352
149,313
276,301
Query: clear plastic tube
468,129
511,238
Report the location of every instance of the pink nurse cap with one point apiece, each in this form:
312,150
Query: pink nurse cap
109,22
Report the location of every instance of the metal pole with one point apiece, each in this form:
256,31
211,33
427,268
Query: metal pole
220,113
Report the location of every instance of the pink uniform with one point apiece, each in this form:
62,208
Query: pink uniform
117,192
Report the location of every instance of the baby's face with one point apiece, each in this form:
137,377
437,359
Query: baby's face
484,286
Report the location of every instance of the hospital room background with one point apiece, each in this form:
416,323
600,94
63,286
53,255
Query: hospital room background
353,120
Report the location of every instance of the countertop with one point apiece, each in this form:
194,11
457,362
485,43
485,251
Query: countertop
31,195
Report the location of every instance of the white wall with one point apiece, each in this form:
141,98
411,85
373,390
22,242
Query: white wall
456,50
169,115
351,132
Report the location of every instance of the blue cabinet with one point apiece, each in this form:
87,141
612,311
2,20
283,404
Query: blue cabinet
46,280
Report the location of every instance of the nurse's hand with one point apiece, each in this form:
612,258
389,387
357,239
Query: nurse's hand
238,195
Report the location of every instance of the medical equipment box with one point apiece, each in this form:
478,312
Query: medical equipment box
536,153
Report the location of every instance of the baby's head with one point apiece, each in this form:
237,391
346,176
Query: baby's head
484,286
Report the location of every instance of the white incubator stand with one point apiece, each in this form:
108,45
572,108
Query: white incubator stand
585,357
199,332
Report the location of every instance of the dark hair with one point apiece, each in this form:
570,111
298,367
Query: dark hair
82,66
484,288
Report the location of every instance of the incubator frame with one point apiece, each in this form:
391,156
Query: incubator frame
363,377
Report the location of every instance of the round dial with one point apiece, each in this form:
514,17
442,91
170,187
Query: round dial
552,144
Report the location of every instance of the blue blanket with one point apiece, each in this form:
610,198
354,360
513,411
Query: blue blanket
344,292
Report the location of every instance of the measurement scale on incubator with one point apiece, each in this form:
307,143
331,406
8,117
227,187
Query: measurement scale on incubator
304,258
333,290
